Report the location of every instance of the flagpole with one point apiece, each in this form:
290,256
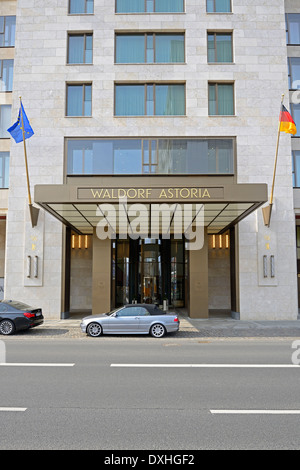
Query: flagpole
25,154
268,210
33,210
276,156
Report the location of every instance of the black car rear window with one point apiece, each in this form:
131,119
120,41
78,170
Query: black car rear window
17,305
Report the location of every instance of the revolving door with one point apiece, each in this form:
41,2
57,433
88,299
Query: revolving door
148,271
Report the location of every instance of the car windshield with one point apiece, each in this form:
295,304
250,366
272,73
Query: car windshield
112,311
17,305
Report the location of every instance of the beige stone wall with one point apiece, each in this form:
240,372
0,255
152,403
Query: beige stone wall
81,276
219,295
260,75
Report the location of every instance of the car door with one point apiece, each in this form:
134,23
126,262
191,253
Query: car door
3,310
145,320
126,320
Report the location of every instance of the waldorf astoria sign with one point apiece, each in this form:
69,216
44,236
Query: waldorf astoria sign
151,194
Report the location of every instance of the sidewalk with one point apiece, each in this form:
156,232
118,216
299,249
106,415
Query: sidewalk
228,327
192,328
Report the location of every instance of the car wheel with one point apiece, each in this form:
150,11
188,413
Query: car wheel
7,327
157,330
94,329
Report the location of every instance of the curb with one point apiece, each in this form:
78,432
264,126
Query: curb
189,328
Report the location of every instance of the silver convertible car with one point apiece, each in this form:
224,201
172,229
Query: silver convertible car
132,319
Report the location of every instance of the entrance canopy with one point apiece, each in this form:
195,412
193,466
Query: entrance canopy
83,207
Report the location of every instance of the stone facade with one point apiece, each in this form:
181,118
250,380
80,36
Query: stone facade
259,73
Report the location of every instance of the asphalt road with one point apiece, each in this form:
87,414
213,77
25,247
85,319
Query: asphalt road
86,394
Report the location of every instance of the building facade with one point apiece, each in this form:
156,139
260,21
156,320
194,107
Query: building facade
174,105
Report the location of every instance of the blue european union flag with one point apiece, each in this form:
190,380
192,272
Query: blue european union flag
16,130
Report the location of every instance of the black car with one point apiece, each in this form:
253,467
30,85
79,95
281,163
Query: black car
15,316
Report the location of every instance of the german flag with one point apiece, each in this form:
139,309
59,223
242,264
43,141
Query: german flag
287,123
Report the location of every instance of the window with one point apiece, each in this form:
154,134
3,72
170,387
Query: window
141,311
149,6
150,156
296,168
7,31
79,99
219,47
4,169
220,99
127,312
6,74
5,120
83,7
150,100
298,238
218,6
293,28
80,48
294,72
295,111
149,48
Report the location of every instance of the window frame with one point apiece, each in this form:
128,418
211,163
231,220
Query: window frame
151,146
84,34
216,84
1,120
1,75
85,8
218,12
295,157
151,12
146,85
83,84
4,31
219,33
297,236
145,35
290,74
287,28
4,157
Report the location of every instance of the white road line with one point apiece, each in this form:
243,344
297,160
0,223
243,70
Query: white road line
284,366
33,364
12,409
252,412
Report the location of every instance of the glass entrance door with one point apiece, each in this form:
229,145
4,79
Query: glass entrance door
148,271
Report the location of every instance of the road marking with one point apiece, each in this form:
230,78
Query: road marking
284,366
33,364
252,412
12,409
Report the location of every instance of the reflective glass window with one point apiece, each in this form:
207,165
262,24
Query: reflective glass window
7,31
150,156
81,7
293,28
218,6
80,48
6,74
149,6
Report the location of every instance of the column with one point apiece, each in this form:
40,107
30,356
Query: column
198,285
101,302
